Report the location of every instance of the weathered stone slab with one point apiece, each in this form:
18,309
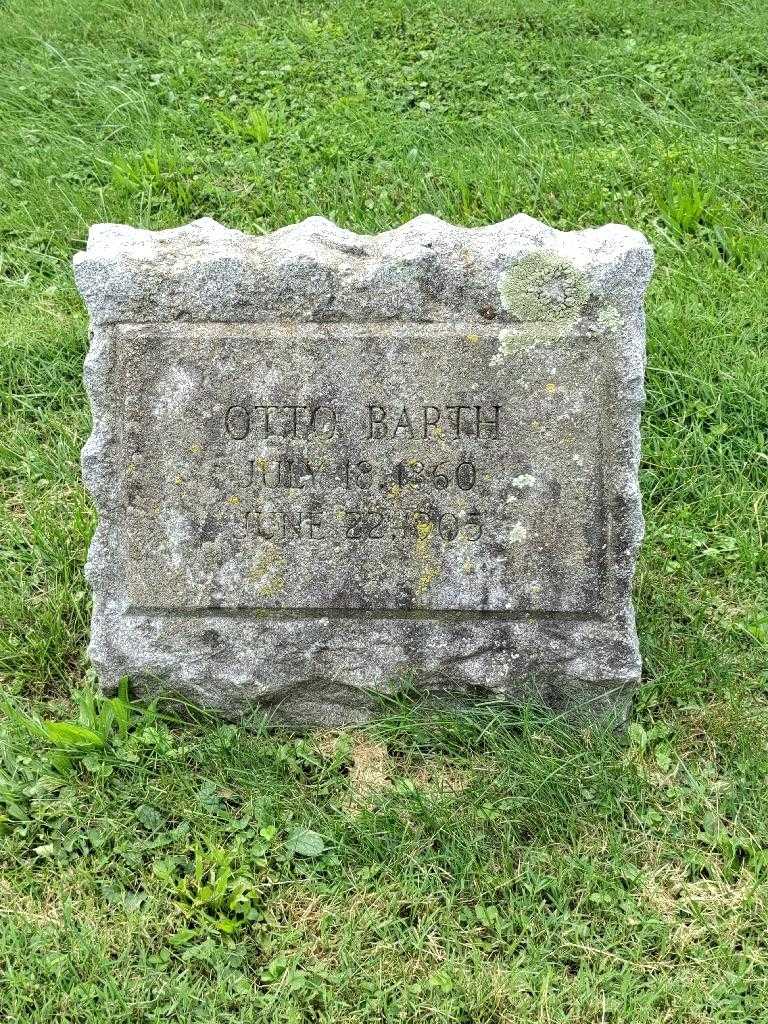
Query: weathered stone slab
323,460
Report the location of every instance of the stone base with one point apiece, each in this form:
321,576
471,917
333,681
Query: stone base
329,670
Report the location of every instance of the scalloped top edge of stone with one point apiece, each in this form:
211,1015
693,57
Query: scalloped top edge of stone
195,271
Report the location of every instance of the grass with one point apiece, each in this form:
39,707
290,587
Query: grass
429,868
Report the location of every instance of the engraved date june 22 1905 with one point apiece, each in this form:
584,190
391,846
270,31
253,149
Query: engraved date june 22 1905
264,522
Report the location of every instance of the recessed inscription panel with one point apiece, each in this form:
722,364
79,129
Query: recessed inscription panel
336,467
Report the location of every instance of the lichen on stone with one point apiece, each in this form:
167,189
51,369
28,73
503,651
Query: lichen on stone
609,318
543,286
268,572
517,534
424,558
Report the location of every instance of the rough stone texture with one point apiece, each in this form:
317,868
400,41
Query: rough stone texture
323,460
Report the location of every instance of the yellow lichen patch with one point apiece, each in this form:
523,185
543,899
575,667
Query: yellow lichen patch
268,572
233,499
425,560
473,338
551,388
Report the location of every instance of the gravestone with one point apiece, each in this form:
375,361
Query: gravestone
324,463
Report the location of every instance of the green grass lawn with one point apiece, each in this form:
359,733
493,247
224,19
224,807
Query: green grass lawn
477,870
